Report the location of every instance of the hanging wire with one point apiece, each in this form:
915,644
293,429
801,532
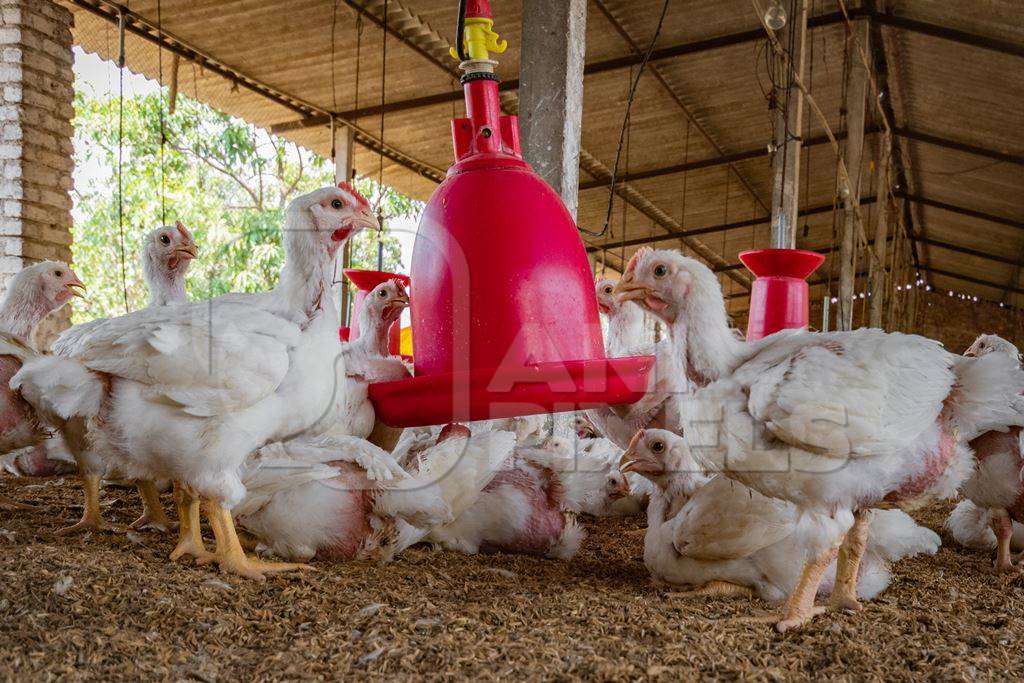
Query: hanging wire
625,123
380,169
163,131
334,89
120,152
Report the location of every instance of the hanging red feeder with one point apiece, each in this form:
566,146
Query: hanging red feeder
778,299
504,316
365,281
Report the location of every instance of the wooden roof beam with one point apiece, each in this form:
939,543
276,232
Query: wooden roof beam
963,211
748,223
967,147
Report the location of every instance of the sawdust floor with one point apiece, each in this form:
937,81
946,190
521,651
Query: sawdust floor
111,606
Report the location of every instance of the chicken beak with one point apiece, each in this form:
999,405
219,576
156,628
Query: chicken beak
630,458
76,287
187,252
366,219
628,289
399,301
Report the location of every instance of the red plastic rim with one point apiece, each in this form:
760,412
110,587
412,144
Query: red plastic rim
798,263
366,280
486,394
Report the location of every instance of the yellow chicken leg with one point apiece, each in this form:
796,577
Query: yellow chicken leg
844,593
229,554
190,534
800,608
92,518
715,589
153,515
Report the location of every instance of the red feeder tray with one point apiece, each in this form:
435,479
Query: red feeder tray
504,315
778,299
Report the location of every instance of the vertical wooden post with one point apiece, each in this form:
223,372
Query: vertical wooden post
856,98
344,170
881,224
787,128
551,104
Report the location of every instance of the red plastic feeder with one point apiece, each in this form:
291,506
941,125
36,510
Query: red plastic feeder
778,299
365,281
504,315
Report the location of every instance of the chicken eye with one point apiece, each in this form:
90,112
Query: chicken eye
608,289
660,270
658,447
337,204
165,239
382,293
58,273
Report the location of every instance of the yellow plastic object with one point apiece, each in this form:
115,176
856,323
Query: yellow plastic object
405,341
480,39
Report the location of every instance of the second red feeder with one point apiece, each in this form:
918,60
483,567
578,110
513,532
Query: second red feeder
779,297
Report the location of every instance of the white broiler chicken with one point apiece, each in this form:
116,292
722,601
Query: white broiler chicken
666,384
836,423
996,485
32,294
722,538
340,498
185,392
164,257
524,509
368,359
971,527
598,487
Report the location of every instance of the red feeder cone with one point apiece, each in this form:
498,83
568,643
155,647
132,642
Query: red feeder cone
365,281
504,316
778,299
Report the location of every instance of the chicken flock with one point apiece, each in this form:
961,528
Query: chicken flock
779,468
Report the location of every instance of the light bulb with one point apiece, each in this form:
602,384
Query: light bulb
775,16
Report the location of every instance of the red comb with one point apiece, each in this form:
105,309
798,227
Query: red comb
182,229
360,199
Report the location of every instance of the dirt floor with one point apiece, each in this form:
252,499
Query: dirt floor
111,606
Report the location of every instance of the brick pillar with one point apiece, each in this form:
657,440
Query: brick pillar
35,137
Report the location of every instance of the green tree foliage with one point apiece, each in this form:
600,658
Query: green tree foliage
228,181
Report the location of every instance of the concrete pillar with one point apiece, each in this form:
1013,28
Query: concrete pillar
788,127
856,100
551,91
35,137
551,104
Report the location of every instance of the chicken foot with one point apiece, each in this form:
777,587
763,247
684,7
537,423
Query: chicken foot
190,534
92,518
1002,525
800,608
844,592
10,504
153,515
229,554
715,589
